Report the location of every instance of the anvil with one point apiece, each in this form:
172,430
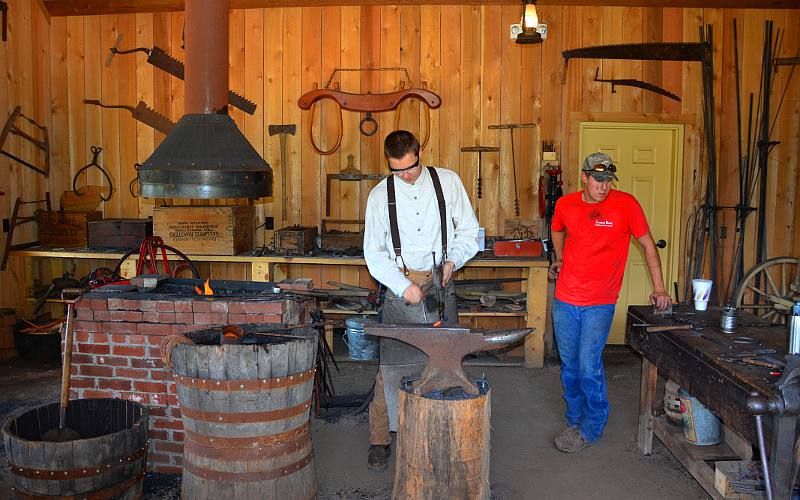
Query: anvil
445,347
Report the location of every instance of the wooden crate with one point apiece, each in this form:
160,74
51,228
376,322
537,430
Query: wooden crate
65,229
295,240
119,234
342,240
206,230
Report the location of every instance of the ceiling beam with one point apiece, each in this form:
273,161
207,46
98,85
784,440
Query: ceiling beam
95,7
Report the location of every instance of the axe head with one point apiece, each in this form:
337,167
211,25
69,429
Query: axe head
282,129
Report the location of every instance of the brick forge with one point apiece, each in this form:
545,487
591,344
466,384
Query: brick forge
117,354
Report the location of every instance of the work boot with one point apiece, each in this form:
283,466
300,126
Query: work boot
571,440
378,458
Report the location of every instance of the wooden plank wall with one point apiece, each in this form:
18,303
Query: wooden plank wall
463,53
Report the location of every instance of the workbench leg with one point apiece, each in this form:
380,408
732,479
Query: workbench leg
647,399
536,318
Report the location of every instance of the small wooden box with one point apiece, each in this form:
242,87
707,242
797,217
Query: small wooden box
206,230
119,234
65,229
342,240
295,240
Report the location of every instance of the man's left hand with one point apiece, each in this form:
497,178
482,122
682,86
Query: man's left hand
447,271
661,300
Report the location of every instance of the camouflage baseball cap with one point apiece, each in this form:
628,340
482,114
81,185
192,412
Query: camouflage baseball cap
600,166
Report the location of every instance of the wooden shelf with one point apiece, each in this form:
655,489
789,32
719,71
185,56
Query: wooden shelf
462,314
262,268
272,259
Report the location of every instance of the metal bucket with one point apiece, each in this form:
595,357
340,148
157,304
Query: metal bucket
700,425
362,347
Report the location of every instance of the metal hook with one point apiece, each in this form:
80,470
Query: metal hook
96,153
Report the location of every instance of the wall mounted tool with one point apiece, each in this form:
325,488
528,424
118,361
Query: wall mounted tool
159,58
631,82
44,144
349,173
367,103
480,150
95,154
4,10
511,127
141,113
18,220
652,51
283,131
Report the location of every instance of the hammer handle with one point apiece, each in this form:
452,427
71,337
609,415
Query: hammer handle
667,328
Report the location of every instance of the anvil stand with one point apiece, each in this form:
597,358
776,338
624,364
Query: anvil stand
443,417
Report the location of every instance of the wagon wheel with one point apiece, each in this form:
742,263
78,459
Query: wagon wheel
778,287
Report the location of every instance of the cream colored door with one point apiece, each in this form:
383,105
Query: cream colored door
650,159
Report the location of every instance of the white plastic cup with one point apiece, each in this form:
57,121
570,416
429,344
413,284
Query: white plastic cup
702,292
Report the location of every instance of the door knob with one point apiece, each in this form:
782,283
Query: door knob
661,244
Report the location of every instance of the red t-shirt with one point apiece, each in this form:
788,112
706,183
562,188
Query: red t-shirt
596,246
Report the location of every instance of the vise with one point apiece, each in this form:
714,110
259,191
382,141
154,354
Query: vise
445,347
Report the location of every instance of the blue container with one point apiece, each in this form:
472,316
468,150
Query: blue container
362,347
700,425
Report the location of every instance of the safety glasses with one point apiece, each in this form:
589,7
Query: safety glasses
398,170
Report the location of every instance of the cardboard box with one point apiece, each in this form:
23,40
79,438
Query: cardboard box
206,230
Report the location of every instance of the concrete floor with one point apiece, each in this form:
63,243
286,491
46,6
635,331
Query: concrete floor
527,412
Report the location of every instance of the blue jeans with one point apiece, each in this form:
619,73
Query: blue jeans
581,333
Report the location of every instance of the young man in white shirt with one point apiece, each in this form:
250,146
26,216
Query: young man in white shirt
423,221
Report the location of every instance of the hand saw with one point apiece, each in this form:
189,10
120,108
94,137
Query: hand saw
142,113
631,82
652,51
159,58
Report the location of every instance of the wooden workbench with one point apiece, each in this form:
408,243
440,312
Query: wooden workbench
265,268
690,358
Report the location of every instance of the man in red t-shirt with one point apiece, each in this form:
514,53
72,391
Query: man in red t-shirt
591,233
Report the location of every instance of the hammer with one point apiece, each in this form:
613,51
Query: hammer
445,348
283,130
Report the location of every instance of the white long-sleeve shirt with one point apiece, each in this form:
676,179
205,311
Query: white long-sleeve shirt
419,226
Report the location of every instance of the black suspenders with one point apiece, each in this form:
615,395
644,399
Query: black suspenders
437,187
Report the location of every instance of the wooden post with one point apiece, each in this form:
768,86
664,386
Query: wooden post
443,448
647,397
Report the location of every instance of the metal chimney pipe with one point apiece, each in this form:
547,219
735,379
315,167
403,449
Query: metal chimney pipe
206,79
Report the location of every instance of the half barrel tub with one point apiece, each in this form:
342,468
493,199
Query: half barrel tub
107,462
246,411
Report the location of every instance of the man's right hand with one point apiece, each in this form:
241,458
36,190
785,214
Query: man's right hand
555,269
413,294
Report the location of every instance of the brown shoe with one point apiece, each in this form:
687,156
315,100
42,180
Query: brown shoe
378,458
571,440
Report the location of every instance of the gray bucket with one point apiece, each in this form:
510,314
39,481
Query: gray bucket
700,425
362,347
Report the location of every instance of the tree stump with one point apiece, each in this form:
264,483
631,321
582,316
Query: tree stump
442,448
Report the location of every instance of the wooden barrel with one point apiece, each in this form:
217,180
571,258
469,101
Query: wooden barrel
107,462
246,411
8,319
